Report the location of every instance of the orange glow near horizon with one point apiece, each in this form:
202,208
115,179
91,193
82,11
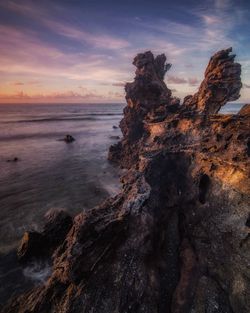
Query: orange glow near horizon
70,53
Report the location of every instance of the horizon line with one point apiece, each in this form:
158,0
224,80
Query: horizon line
102,103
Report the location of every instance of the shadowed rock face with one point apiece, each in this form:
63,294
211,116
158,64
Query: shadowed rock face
176,239
35,244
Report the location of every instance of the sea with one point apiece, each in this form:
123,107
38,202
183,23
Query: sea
52,174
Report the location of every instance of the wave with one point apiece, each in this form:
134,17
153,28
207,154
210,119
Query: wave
51,120
86,117
21,136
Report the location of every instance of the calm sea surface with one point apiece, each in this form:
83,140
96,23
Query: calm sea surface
51,173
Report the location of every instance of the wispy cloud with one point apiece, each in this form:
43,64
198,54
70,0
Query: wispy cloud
28,83
115,94
211,30
17,84
22,52
66,96
176,80
51,45
34,82
104,41
100,40
222,4
192,81
122,84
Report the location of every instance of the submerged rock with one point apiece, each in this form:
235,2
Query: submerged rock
69,139
176,239
15,159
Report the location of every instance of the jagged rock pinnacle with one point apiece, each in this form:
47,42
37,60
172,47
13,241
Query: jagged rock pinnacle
221,84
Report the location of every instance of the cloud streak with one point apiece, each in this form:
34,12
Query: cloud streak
66,96
192,81
48,47
104,41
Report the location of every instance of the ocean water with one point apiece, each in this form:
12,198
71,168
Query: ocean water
231,108
50,173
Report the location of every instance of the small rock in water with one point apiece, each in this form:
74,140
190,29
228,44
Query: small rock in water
15,159
114,137
115,127
69,138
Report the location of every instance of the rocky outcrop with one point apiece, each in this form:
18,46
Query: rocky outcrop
42,244
221,84
15,159
69,139
147,98
176,239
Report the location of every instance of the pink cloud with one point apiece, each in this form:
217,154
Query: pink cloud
118,84
69,96
176,80
29,83
193,81
23,53
113,94
189,65
34,82
98,40
17,84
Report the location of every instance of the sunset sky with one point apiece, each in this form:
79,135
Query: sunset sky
81,51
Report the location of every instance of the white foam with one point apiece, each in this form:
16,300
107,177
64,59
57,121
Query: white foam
37,271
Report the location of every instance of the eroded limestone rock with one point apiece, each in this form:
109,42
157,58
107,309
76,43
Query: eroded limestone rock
176,239
222,83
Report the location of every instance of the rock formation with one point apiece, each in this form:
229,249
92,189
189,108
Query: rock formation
147,98
41,245
69,138
176,239
221,84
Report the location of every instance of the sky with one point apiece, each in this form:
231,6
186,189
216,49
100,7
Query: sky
75,51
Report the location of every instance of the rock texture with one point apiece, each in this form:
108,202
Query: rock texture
42,245
147,98
176,239
221,84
